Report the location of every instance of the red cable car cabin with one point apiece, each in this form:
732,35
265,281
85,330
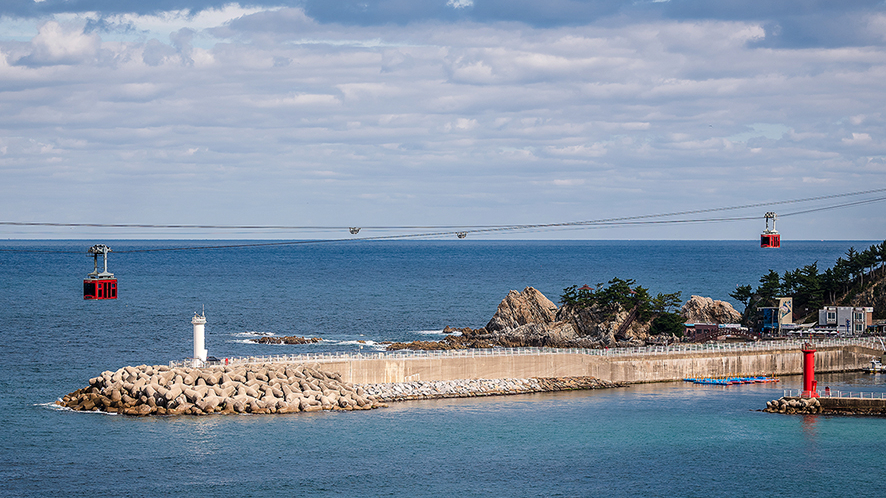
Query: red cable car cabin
770,238
99,285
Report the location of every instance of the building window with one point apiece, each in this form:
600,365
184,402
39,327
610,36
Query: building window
859,316
832,316
859,327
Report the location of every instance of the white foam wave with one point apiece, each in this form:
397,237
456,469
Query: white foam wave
254,334
53,406
367,343
435,332
242,341
251,341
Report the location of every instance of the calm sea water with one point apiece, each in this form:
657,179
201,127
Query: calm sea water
651,440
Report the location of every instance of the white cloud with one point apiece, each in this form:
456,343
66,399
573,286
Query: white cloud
574,182
284,114
595,150
299,100
465,124
460,4
857,139
57,44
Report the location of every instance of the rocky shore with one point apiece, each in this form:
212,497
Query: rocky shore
827,406
405,391
259,388
529,319
794,406
289,339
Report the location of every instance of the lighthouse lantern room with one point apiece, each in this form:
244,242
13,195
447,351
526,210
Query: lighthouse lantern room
99,285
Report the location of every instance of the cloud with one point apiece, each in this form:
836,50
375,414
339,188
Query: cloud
460,4
58,44
285,110
857,139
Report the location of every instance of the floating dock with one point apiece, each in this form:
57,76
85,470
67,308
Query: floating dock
731,381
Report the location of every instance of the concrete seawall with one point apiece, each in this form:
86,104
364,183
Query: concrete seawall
628,368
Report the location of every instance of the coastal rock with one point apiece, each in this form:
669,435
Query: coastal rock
794,406
521,308
290,339
529,319
706,310
607,329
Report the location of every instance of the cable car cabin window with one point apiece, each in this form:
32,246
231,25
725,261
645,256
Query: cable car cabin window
770,240
100,289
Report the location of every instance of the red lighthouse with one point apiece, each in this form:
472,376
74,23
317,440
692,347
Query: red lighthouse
809,384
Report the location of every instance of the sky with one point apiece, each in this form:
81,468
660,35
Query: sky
441,113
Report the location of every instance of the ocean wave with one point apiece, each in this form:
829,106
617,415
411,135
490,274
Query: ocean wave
59,408
254,334
367,343
435,332
250,341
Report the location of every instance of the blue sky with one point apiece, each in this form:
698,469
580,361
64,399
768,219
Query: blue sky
447,112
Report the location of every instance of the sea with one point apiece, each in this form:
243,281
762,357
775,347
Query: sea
664,439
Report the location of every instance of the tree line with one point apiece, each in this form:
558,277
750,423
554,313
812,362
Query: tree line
813,289
625,295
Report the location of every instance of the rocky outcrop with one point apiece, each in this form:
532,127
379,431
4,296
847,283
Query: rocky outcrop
529,319
253,388
794,406
522,308
874,296
289,339
607,328
706,310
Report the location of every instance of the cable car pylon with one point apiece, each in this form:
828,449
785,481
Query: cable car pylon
99,285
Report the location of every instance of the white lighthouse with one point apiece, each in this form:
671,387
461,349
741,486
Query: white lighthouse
199,351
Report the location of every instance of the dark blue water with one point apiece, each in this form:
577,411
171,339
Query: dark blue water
656,440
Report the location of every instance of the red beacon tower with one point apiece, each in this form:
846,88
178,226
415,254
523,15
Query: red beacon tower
770,238
99,285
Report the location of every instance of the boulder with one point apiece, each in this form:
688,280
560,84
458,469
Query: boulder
521,308
706,310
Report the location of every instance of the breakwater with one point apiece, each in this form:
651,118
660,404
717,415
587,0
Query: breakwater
622,365
277,388
418,390
338,382
257,388
838,404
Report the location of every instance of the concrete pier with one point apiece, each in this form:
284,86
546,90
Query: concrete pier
630,369
622,366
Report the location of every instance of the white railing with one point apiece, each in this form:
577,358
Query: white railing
792,344
833,393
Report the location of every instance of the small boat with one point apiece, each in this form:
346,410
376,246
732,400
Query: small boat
731,381
876,367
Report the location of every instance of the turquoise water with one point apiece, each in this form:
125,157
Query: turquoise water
672,439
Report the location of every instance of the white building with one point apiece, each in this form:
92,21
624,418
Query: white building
846,319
